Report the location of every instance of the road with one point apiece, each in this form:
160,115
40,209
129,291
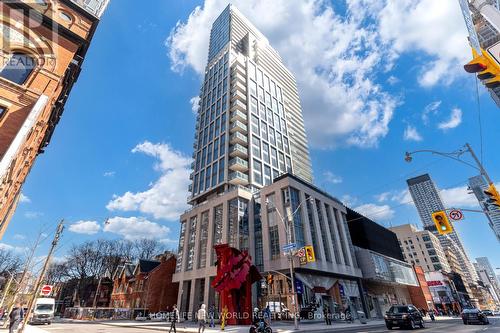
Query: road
455,326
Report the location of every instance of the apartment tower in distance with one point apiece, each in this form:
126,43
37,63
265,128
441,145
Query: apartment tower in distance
477,185
251,166
43,46
426,197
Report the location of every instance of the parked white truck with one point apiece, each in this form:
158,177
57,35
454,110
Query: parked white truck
43,312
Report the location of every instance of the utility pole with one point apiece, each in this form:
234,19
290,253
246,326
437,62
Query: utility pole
23,276
479,164
40,278
7,288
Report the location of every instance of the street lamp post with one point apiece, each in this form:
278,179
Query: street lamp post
287,223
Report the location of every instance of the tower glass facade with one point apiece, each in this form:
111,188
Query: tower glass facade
249,128
478,184
426,198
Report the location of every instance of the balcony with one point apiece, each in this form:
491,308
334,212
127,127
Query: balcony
238,69
238,106
191,175
238,151
238,95
238,164
238,86
236,77
238,126
237,137
238,178
238,115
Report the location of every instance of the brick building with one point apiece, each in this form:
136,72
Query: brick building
43,44
146,286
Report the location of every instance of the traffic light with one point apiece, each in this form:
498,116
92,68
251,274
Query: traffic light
310,257
487,69
442,223
493,195
269,279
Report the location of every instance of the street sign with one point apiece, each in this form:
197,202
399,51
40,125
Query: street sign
301,253
456,214
341,290
474,40
289,247
303,260
494,51
299,286
46,290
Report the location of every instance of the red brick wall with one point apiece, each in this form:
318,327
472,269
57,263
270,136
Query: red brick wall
161,291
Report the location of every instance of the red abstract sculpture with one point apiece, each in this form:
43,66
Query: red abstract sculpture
235,276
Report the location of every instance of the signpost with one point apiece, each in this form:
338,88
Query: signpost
456,214
46,290
494,51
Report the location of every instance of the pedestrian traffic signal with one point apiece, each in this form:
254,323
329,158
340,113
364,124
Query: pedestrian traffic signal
487,69
310,257
269,279
493,196
442,223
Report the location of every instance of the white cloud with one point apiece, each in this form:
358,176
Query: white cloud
109,174
392,80
166,198
333,57
411,134
19,237
376,212
430,109
24,198
332,178
195,104
348,200
398,196
16,249
132,228
33,215
434,27
85,227
458,197
454,121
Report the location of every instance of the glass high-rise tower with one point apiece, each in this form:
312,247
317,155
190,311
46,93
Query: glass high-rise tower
427,199
251,166
249,128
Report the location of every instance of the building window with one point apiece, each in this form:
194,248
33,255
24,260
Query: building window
221,170
217,235
191,243
257,172
256,146
3,111
312,225
267,175
65,17
202,260
274,241
18,68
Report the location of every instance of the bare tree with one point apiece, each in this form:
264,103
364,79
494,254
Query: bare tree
9,262
57,272
146,248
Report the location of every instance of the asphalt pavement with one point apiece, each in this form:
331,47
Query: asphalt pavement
452,325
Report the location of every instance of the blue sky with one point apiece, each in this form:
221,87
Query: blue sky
372,86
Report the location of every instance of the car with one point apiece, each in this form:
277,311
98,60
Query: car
474,316
488,312
403,316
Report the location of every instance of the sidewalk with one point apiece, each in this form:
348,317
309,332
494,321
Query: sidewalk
279,327
29,329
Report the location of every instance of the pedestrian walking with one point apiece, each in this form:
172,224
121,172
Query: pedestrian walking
174,317
211,316
267,315
15,317
202,318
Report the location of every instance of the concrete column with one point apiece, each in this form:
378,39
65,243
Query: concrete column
191,308
197,242
266,243
210,238
225,222
282,224
319,238
206,292
327,232
336,235
305,219
345,244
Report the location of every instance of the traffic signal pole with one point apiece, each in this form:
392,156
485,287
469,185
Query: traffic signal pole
479,164
40,278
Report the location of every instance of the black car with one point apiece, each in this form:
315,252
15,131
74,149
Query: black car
488,312
403,316
474,316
